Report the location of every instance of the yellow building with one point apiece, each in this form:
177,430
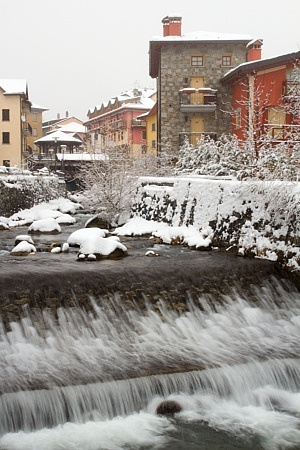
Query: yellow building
151,130
35,118
14,126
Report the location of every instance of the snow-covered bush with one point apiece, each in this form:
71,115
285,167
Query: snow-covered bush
230,157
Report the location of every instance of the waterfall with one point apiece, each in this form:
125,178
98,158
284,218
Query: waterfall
221,360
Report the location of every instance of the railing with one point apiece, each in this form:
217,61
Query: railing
282,132
194,137
27,129
290,89
138,123
117,125
197,100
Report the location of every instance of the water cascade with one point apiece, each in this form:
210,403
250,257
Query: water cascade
93,379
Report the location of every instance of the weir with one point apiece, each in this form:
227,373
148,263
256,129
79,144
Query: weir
116,359
90,350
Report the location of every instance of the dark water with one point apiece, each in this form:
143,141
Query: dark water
217,334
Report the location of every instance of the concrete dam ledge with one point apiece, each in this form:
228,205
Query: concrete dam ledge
51,281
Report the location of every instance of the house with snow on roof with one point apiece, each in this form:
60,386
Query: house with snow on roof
116,124
191,99
266,99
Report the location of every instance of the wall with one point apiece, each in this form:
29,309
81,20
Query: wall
250,218
175,72
11,151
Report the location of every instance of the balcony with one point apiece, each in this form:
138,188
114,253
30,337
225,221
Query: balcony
117,125
282,132
27,129
193,138
138,123
202,100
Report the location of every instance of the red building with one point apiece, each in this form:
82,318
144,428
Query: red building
116,124
266,98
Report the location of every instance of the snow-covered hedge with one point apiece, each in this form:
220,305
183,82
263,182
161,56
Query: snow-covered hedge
21,190
259,218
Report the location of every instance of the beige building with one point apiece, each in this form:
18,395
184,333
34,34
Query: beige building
14,126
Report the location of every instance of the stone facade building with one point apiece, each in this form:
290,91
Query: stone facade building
191,100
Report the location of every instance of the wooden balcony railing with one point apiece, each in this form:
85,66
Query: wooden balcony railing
197,100
291,89
282,132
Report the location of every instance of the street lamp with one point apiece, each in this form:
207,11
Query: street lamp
55,152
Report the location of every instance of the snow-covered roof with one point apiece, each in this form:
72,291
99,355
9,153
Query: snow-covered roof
260,63
81,156
72,127
205,36
34,106
142,96
14,86
59,136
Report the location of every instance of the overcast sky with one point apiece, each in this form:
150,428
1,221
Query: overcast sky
76,54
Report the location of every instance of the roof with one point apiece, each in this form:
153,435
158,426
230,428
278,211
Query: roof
132,99
72,127
204,36
196,37
38,108
81,156
14,86
260,64
59,136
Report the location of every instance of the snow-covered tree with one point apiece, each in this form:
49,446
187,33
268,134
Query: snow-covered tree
109,184
230,157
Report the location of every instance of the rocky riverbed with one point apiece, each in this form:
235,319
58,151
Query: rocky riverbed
172,273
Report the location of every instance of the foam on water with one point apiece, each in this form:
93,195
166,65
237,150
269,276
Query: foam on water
93,380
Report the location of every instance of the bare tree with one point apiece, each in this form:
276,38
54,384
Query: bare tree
109,184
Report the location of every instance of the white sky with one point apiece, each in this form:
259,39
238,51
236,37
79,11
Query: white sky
76,54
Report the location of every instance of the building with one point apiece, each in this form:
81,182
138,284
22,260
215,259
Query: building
191,99
15,128
116,123
266,99
35,118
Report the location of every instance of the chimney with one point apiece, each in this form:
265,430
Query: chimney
58,116
254,50
67,114
172,25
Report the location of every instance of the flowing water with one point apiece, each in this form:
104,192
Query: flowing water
92,380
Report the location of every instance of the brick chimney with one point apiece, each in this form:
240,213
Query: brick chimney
172,25
254,50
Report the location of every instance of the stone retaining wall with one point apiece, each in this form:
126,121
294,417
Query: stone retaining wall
250,218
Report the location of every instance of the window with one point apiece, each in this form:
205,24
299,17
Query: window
153,144
5,137
144,134
5,115
238,118
226,60
197,60
34,117
34,132
153,127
